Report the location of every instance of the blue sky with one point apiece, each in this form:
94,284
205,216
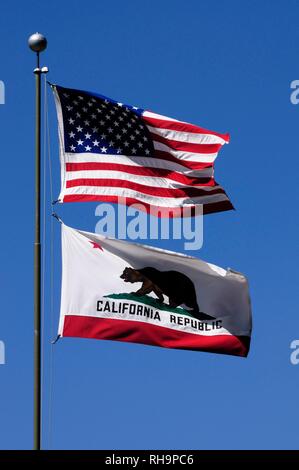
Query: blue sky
225,65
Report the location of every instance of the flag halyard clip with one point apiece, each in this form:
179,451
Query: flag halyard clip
57,217
54,341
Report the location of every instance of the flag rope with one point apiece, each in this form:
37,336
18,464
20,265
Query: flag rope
47,177
52,268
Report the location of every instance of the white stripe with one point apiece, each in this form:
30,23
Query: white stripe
154,181
147,198
189,156
137,161
163,323
189,137
159,116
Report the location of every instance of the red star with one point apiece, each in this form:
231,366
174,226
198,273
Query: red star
96,245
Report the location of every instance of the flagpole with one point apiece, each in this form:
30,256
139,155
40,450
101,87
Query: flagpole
37,43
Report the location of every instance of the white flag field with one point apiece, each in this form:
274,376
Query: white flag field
116,290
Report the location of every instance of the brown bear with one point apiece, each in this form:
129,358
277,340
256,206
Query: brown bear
176,286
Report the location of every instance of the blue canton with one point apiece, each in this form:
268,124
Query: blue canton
97,124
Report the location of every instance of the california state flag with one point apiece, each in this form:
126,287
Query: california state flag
121,291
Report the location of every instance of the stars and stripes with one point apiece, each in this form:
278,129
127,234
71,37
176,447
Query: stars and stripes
111,150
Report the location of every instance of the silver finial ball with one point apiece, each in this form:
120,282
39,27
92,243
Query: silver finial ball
37,42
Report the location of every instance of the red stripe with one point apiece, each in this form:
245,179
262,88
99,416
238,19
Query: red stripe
141,170
138,332
153,210
152,191
186,146
181,127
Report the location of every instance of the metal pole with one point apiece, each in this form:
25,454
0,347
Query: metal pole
37,43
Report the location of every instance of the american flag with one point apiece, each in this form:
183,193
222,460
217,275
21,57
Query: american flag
115,152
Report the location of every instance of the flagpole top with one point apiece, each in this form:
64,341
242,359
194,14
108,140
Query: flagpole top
37,42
